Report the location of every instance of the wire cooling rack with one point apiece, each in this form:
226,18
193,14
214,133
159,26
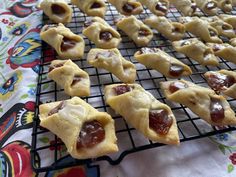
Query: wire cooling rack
129,140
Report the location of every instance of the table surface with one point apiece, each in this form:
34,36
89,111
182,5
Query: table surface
20,53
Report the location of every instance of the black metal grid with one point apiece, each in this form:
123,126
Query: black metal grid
189,125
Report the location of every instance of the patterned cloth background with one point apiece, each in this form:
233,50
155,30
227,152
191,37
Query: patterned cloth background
20,49
20,52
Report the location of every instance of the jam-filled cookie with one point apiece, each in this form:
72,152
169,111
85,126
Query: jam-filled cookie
67,44
196,50
225,5
186,7
222,81
57,10
140,33
204,102
233,42
157,7
101,33
112,60
159,60
225,51
230,19
144,112
91,7
234,2
86,132
209,7
201,28
127,7
171,30
223,28
69,76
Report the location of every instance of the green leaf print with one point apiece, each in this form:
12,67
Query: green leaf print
44,139
230,168
222,148
32,85
24,96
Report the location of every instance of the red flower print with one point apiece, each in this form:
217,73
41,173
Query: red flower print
232,157
30,106
5,21
11,24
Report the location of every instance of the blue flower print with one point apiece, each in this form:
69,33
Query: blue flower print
8,85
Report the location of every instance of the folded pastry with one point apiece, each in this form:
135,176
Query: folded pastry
225,5
101,33
57,10
233,42
171,30
152,118
140,33
67,44
204,102
159,60
127,7
223,28
230,19
91,7
234,2
201,29
186,7
157,7
222,81
224,51
112,61
207,6
196,50
69,76
86,132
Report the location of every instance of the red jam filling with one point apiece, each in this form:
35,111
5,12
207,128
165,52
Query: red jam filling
76,79
175,86
128,8
57,108
106,36
67,44
121,89
219,82
161,6
176,70
96,5
216,110
176,30
91,134
212,33
160,121
143,32
226,27
56,9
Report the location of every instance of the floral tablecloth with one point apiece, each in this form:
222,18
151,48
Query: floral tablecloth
20,49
